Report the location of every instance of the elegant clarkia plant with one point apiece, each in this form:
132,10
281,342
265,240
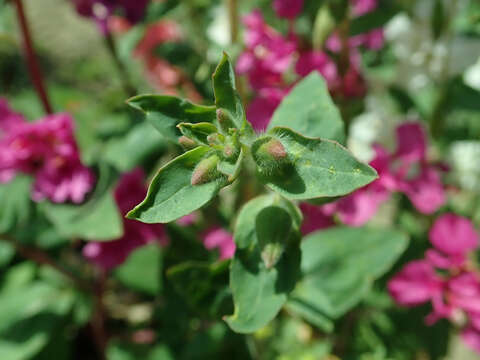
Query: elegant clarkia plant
291,159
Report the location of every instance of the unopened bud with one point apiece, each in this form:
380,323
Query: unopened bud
214,139
225,119
205,171
186,142
274,148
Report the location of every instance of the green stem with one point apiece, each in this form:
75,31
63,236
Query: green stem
125,78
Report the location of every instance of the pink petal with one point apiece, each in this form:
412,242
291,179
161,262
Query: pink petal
288,8
453,234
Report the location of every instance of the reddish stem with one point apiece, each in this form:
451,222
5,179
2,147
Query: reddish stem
33,67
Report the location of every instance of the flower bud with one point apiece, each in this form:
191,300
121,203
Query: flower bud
187,143
205,171
225,119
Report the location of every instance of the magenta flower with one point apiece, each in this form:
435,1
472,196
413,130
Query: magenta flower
453,237
289,9
261,109
218,238
130,190
45,149
361,7
317,60
315,218
415,284
101,10
456,294
268,54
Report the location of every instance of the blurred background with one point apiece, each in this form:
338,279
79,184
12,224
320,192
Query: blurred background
423,65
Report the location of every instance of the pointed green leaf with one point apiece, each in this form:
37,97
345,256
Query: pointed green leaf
245,233
340,265
171,194
198,132
166,112
308,109
226,95
273,225
315,168
259,291
16,203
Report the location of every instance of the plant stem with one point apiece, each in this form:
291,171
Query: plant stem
125,78
42,258
97,321
32,63
233,20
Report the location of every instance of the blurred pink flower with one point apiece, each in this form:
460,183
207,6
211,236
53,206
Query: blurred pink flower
129,191
453,237
261,109
102,10
45,149
267,55
315,218
320,61
456,294
415,284
361,7
217,237
289,9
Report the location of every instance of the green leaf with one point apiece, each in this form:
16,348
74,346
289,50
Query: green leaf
201,284
309,313
316,168
374,19
166,112
171,194
339,265
226,96
128,351
139,144
143,269
245,233
16,204
259,291
97,220
198,132
273,225
308,109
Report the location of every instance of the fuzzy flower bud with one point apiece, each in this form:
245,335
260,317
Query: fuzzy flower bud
205,171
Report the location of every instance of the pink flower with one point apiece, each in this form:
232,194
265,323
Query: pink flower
289,9
129,191
471,337
101,10
361,7
315,218
45,149
219,238
415,284
453,235
268,54
317,60
359,207
261,109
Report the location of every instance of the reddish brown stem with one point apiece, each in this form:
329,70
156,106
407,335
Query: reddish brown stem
32,63
98,318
